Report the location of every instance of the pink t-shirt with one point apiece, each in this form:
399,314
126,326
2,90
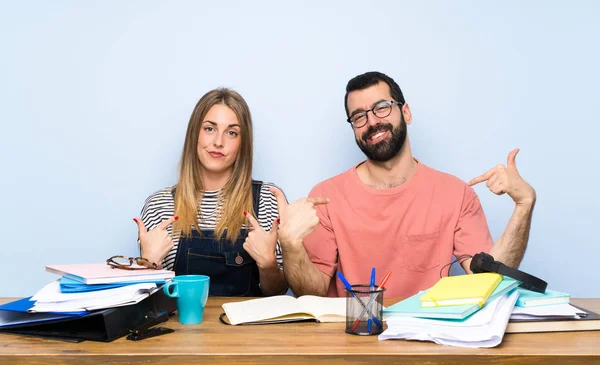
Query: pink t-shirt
411,230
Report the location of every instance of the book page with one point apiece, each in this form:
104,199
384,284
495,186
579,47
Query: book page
51,299
547,312
261,309
323,308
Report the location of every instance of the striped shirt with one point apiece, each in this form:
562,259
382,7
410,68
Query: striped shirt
161,206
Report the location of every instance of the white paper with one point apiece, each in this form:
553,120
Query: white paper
50,298
564,310
484,328
52,293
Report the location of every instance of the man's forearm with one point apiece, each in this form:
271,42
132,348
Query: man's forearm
510,246
272,281
301,274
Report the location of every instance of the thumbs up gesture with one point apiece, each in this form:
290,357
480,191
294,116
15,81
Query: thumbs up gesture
260,244
298,219
157,242
506,179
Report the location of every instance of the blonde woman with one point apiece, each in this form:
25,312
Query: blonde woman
206,223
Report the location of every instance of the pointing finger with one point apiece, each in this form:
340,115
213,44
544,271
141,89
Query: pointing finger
511,161
141,227
164,224
483,177
253,222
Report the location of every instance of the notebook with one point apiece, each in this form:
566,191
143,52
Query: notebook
104,274
285,308
461,290
411,307
528,298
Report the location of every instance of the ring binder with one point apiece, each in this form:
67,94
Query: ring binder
106,324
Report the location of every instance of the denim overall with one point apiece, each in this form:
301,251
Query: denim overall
231,270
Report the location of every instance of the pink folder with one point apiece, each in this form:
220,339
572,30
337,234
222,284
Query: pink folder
104,274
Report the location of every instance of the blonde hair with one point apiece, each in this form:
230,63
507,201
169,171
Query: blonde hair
236,196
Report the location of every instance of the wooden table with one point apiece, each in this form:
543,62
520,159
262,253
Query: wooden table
297,343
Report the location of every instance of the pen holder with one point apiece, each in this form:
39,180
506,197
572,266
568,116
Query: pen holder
364,310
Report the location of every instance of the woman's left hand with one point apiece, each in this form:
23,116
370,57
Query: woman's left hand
261,244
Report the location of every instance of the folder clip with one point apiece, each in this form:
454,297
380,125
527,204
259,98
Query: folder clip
143,330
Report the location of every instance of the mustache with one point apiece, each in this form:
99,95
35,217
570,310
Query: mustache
376,129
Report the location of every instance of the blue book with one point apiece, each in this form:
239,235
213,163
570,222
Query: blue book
68,285
411,307
528,298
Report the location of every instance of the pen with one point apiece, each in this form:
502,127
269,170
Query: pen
372,278
345,282
384,281
370,303
349,288
372,286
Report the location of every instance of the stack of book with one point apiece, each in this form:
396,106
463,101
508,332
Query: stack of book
477,310
466,310
86,287
549,312
86,291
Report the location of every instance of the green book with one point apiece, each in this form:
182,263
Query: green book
411,307
528,298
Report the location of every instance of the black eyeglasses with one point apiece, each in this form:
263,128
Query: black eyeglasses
380,110
126,263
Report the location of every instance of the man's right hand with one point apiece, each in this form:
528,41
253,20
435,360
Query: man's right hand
297,220
156,243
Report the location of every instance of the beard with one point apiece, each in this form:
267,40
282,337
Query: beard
383,150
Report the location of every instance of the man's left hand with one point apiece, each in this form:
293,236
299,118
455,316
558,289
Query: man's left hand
506,179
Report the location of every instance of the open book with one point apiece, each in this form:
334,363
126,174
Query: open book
285,308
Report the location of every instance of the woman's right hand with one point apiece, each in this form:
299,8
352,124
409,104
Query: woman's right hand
156,243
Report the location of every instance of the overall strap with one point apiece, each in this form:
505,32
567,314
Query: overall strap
256,187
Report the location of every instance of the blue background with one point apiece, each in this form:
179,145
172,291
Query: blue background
95,97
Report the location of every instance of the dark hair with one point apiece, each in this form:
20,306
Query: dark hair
369,79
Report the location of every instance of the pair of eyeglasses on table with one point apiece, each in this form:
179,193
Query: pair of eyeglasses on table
126,263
